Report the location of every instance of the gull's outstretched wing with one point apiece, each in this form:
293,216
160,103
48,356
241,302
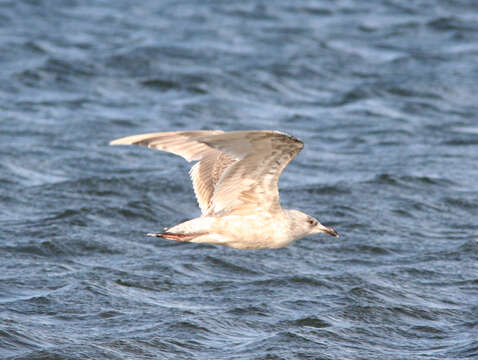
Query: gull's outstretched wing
237,172
205,174
250,184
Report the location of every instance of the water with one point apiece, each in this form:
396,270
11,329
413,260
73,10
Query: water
383,93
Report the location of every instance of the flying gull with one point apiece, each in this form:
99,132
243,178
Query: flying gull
235,182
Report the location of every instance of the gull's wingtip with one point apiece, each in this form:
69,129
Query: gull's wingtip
136,139
121,141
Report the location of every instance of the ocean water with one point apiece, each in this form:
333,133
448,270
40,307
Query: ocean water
384,95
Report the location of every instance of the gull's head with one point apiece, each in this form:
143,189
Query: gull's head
307,225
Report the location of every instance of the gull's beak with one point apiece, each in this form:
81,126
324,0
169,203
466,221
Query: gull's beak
326,230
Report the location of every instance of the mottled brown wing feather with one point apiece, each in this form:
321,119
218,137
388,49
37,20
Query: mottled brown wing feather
237,171
182,143
251,184
205,173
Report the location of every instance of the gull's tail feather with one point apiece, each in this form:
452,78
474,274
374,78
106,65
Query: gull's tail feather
176,236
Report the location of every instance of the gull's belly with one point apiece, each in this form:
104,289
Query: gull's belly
256,231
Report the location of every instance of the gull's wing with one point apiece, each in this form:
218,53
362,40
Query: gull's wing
251,183
204,174
237,171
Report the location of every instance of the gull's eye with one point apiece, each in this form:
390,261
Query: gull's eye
312,222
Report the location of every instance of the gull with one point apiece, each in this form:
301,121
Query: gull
235,181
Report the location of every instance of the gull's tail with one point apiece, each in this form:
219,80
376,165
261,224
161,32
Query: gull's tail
190,230
176,236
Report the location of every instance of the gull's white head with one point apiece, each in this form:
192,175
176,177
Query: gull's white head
303,225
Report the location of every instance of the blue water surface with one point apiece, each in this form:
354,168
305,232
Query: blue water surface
384,95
